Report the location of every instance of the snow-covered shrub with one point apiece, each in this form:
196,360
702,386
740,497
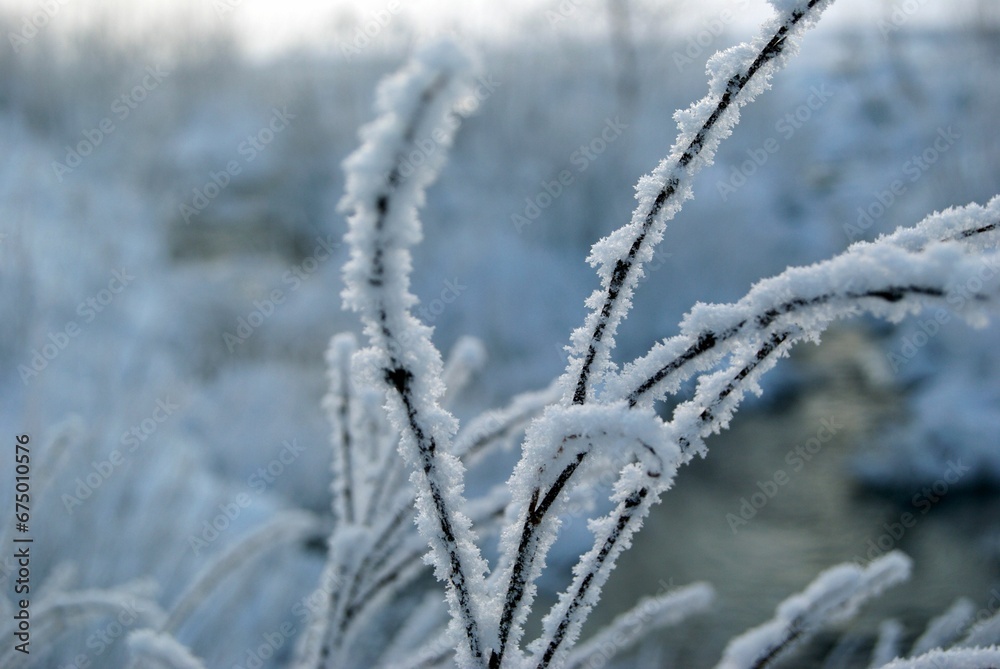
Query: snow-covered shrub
598,417
594,442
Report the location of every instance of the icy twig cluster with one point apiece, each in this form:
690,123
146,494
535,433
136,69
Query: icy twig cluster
596,418
61,607
396,448
836,594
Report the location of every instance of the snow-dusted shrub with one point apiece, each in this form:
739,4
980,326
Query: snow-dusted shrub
396,446
598,417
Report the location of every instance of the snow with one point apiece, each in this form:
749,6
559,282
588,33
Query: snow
985,632
737,76
946,628
834,595
887,647
976,658
161,651
649,614
160,340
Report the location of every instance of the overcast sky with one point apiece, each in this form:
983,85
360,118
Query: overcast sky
272,24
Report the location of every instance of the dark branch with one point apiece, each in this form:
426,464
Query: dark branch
623,269
794,631
708,340
399,377
625,266
625,516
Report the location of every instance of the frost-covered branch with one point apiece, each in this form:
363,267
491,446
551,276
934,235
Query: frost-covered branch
614,533
899,282
392,566
835,595
338,408
577,430
366,475
386,482
382,227
594,419
395,558
833,289
964,658
283,528
648,615
737,76
392,554
882,278
636,491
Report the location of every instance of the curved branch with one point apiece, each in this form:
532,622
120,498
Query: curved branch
866,271
834,595
622,254
662,194
755,351
382,227
565,620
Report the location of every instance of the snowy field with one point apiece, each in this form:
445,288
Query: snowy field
171,259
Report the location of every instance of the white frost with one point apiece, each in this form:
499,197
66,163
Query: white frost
834,595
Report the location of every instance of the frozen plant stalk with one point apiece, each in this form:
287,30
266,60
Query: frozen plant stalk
596,417
401,359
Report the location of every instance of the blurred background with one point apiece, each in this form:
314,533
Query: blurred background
170,256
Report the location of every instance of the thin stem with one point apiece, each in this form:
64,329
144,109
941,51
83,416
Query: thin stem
627,513
709,340
619,287
395,333
626,267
